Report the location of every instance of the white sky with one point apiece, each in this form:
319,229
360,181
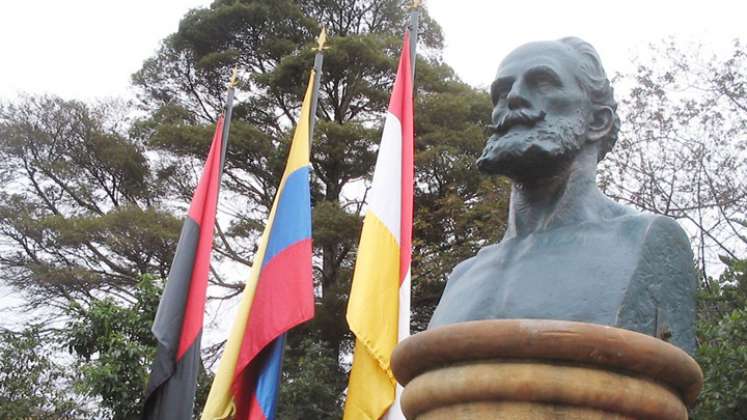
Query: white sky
81,49
87,49
479,33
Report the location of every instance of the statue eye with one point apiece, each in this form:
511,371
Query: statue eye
499,89
543,78
545,82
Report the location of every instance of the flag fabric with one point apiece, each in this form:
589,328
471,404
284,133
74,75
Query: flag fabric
278,295
178,324
378,311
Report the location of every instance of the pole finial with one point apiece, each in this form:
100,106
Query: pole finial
415,4
234,77
321,39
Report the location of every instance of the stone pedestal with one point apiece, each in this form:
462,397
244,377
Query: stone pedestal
542,369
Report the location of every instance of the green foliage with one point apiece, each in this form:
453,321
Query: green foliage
313,382
81,203
32,385
723,357
114,347
722,351
457,210
84,212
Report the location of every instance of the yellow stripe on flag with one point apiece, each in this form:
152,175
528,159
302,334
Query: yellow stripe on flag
372,314
220,404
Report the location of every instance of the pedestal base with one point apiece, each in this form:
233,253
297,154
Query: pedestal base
517,411
536,369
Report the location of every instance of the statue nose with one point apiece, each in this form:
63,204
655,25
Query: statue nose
517,98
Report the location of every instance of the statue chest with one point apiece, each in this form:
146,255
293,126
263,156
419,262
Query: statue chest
578,274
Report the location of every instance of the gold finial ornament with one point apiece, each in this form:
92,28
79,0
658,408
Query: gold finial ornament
234,77
321,39
415,4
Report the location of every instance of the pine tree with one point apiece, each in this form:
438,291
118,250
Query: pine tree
83,217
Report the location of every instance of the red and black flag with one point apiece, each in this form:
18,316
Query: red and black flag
178,324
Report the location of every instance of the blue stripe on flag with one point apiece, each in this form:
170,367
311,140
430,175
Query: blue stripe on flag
268,382
293,216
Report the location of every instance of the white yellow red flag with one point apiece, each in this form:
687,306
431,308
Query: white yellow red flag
379,307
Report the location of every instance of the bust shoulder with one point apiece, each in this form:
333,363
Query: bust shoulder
655,232
661,298
459,270
659,225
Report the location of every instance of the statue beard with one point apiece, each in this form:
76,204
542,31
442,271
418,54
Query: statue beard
529,146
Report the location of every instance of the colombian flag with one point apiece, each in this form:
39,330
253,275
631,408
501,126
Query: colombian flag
278,295
178,324
379,306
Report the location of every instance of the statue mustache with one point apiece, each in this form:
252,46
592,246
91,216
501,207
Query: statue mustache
513,118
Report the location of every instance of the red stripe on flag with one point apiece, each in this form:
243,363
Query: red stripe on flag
402,85
202,210
284,298
401,105
255,411
201,199
247,406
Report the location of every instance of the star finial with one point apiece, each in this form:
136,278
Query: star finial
234,77
321,39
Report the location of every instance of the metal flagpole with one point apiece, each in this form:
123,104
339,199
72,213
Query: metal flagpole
227,117
414,26
395,411
318,61
171,386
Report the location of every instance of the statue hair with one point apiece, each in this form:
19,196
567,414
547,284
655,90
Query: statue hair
593,79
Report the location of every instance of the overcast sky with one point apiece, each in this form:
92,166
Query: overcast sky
89,48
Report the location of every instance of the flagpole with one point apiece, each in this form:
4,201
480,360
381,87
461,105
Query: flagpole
413,28
178,324
395,411
371,393
318,61
227,117
286,277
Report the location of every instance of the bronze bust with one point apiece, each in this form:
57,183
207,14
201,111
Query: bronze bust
569,252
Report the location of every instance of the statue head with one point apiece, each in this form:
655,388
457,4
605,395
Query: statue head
551,100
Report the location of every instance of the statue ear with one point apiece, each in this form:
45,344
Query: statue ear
601,123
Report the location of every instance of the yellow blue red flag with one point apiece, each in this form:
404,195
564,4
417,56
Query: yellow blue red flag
278,295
